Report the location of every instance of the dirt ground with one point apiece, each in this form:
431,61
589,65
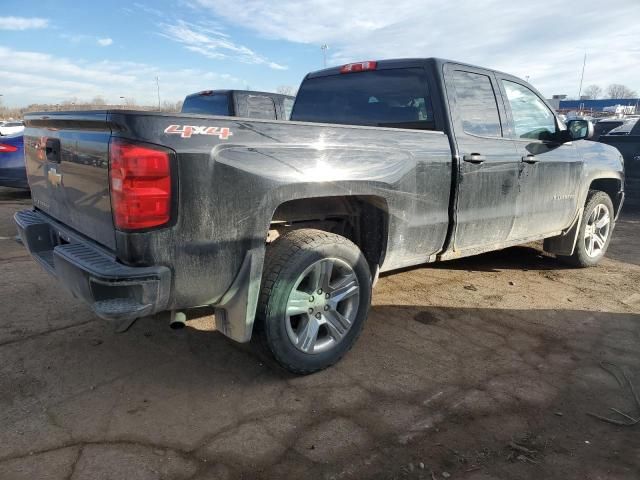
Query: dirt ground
481,368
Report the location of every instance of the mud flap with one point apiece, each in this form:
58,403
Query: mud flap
565,243
236,311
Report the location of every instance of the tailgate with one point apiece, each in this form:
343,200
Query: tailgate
67,160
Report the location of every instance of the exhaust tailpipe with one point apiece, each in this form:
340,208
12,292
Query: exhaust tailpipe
178,320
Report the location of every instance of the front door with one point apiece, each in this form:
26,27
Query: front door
549,170
488,162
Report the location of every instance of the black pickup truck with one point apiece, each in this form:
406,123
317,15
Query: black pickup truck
629,146
239,103
284,226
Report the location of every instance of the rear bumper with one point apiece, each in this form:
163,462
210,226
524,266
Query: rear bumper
113,290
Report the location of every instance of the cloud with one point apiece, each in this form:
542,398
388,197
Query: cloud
22,79
533,39
148,9
22,23
208,39
105,42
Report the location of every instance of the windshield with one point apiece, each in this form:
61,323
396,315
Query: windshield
208,104
383,98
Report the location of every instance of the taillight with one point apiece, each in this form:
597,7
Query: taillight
4,148
140,178
359,67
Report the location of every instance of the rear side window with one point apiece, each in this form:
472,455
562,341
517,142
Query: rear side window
383,98
476,104
207,104
531,117
256,106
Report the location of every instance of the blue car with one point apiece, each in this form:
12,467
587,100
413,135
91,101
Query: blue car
13,172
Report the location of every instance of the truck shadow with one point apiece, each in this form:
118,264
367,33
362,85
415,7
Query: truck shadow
521,257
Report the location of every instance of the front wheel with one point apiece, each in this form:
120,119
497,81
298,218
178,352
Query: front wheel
595,231
314,299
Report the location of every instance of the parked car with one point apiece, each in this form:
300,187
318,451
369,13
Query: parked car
629,147
285,225
239,103
10,128
12,167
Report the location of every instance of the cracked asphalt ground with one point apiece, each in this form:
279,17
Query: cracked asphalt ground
481,368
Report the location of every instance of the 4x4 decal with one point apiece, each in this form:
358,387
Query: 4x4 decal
186,131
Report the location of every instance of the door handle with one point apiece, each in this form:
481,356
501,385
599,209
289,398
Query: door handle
474,158
530,159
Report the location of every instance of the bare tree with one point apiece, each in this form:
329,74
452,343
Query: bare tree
593,92
286,90
98,100
171,107
616,90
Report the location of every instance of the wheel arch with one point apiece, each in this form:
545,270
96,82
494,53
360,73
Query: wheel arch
564,244
363,219
612,187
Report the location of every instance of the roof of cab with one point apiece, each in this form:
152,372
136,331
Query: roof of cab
251,92
404,63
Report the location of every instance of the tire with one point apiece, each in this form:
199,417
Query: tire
585,255
313,281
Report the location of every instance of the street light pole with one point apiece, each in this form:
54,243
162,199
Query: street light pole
324,49
584,63
158,88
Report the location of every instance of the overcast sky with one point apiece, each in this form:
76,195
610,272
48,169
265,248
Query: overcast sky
51,51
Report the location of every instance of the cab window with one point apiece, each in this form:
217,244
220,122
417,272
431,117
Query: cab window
258,106
531,117
476,103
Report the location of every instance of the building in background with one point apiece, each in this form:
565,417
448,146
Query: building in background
614,106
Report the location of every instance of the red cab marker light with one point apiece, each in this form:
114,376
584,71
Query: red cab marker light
4,148
359,66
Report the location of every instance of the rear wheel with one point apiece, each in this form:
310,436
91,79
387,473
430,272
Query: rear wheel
595,231
314,299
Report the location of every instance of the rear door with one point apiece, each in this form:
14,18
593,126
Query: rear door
67,160
488,163
549,170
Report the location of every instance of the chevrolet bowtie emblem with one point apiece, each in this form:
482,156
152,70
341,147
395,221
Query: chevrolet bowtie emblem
54,177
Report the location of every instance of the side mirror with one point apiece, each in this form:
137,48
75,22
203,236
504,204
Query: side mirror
580,129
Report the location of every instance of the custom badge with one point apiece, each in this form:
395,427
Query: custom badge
187,131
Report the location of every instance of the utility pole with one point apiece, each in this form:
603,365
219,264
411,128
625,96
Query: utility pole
324,49
158,87
584,63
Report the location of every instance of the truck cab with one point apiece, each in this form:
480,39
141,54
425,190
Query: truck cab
239,103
